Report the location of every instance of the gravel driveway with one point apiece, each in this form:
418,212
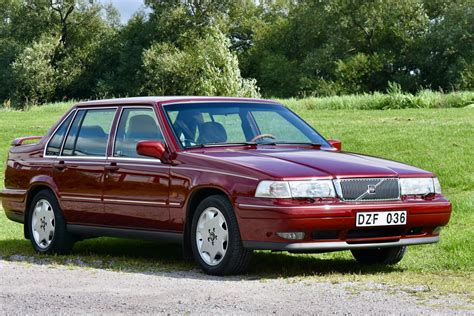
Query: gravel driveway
27,288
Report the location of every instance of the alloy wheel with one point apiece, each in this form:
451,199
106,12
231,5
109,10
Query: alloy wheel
43,223
212,236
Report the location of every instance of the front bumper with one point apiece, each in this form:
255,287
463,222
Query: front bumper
335,245
332,227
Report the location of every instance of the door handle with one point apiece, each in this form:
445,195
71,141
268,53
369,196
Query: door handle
60,166
112,167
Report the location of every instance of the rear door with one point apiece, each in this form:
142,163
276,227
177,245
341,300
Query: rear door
79,169
136,187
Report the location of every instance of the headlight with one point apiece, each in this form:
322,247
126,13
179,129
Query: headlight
419,186
296,189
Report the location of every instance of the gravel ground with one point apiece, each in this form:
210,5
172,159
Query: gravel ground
31,288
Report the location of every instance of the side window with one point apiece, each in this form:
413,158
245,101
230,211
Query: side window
135,125
89,133
56,141
273,123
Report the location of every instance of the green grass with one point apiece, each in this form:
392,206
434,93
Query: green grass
381,101
439,140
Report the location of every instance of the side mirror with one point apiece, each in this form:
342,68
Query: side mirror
336,144
151,148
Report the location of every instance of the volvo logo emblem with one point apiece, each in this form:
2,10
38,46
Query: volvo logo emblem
371,189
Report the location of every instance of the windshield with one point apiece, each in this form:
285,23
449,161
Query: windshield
226,123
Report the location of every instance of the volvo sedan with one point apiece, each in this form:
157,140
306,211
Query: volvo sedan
222,176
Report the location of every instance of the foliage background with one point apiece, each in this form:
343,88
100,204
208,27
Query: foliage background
57,50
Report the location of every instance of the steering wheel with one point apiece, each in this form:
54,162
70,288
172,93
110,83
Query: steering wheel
260,136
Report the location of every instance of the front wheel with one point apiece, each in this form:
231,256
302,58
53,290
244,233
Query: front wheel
47,226
215,238
385,256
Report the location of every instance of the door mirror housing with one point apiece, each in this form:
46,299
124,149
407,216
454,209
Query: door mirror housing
336,144
151,148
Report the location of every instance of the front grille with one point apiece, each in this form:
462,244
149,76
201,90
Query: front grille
369,189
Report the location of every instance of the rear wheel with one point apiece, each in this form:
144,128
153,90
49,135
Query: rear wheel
386,256
215,238
48,231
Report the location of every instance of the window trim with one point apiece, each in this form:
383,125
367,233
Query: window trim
122,108
76,110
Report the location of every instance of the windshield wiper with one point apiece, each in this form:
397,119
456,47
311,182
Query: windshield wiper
290,143
222,144
253,144
299,143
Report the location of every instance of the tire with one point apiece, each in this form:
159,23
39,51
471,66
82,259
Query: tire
47,226
384,256
215,238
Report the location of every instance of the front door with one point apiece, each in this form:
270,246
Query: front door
136,188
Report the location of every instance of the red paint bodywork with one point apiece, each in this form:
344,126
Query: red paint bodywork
147,194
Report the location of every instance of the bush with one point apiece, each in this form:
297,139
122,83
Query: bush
204,66
378,101
33,74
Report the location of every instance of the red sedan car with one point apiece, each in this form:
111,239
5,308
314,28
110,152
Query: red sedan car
224,176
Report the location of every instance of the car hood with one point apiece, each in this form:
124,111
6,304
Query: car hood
285,163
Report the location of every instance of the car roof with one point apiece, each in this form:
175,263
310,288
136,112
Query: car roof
170,99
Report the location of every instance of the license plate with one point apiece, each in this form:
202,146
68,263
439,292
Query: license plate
367,219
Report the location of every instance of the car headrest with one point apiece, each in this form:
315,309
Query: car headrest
94,131
142,123
211,132
143,126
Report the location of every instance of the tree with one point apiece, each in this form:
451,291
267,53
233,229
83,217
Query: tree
204,66
328,42
446,53
35,78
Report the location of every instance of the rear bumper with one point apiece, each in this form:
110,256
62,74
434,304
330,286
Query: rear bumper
334,246
13,202
331,227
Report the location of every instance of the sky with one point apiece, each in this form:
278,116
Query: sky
125,7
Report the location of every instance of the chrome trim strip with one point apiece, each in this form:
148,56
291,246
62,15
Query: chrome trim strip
276,206
348,206
134,202
81,158
99,163
214,171
175,204
80,198
138,160
337,245
13,191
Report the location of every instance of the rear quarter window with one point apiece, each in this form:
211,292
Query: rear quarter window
54,145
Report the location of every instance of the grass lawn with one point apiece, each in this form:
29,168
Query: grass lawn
439,140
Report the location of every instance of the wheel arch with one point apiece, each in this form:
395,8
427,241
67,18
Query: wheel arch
35,188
